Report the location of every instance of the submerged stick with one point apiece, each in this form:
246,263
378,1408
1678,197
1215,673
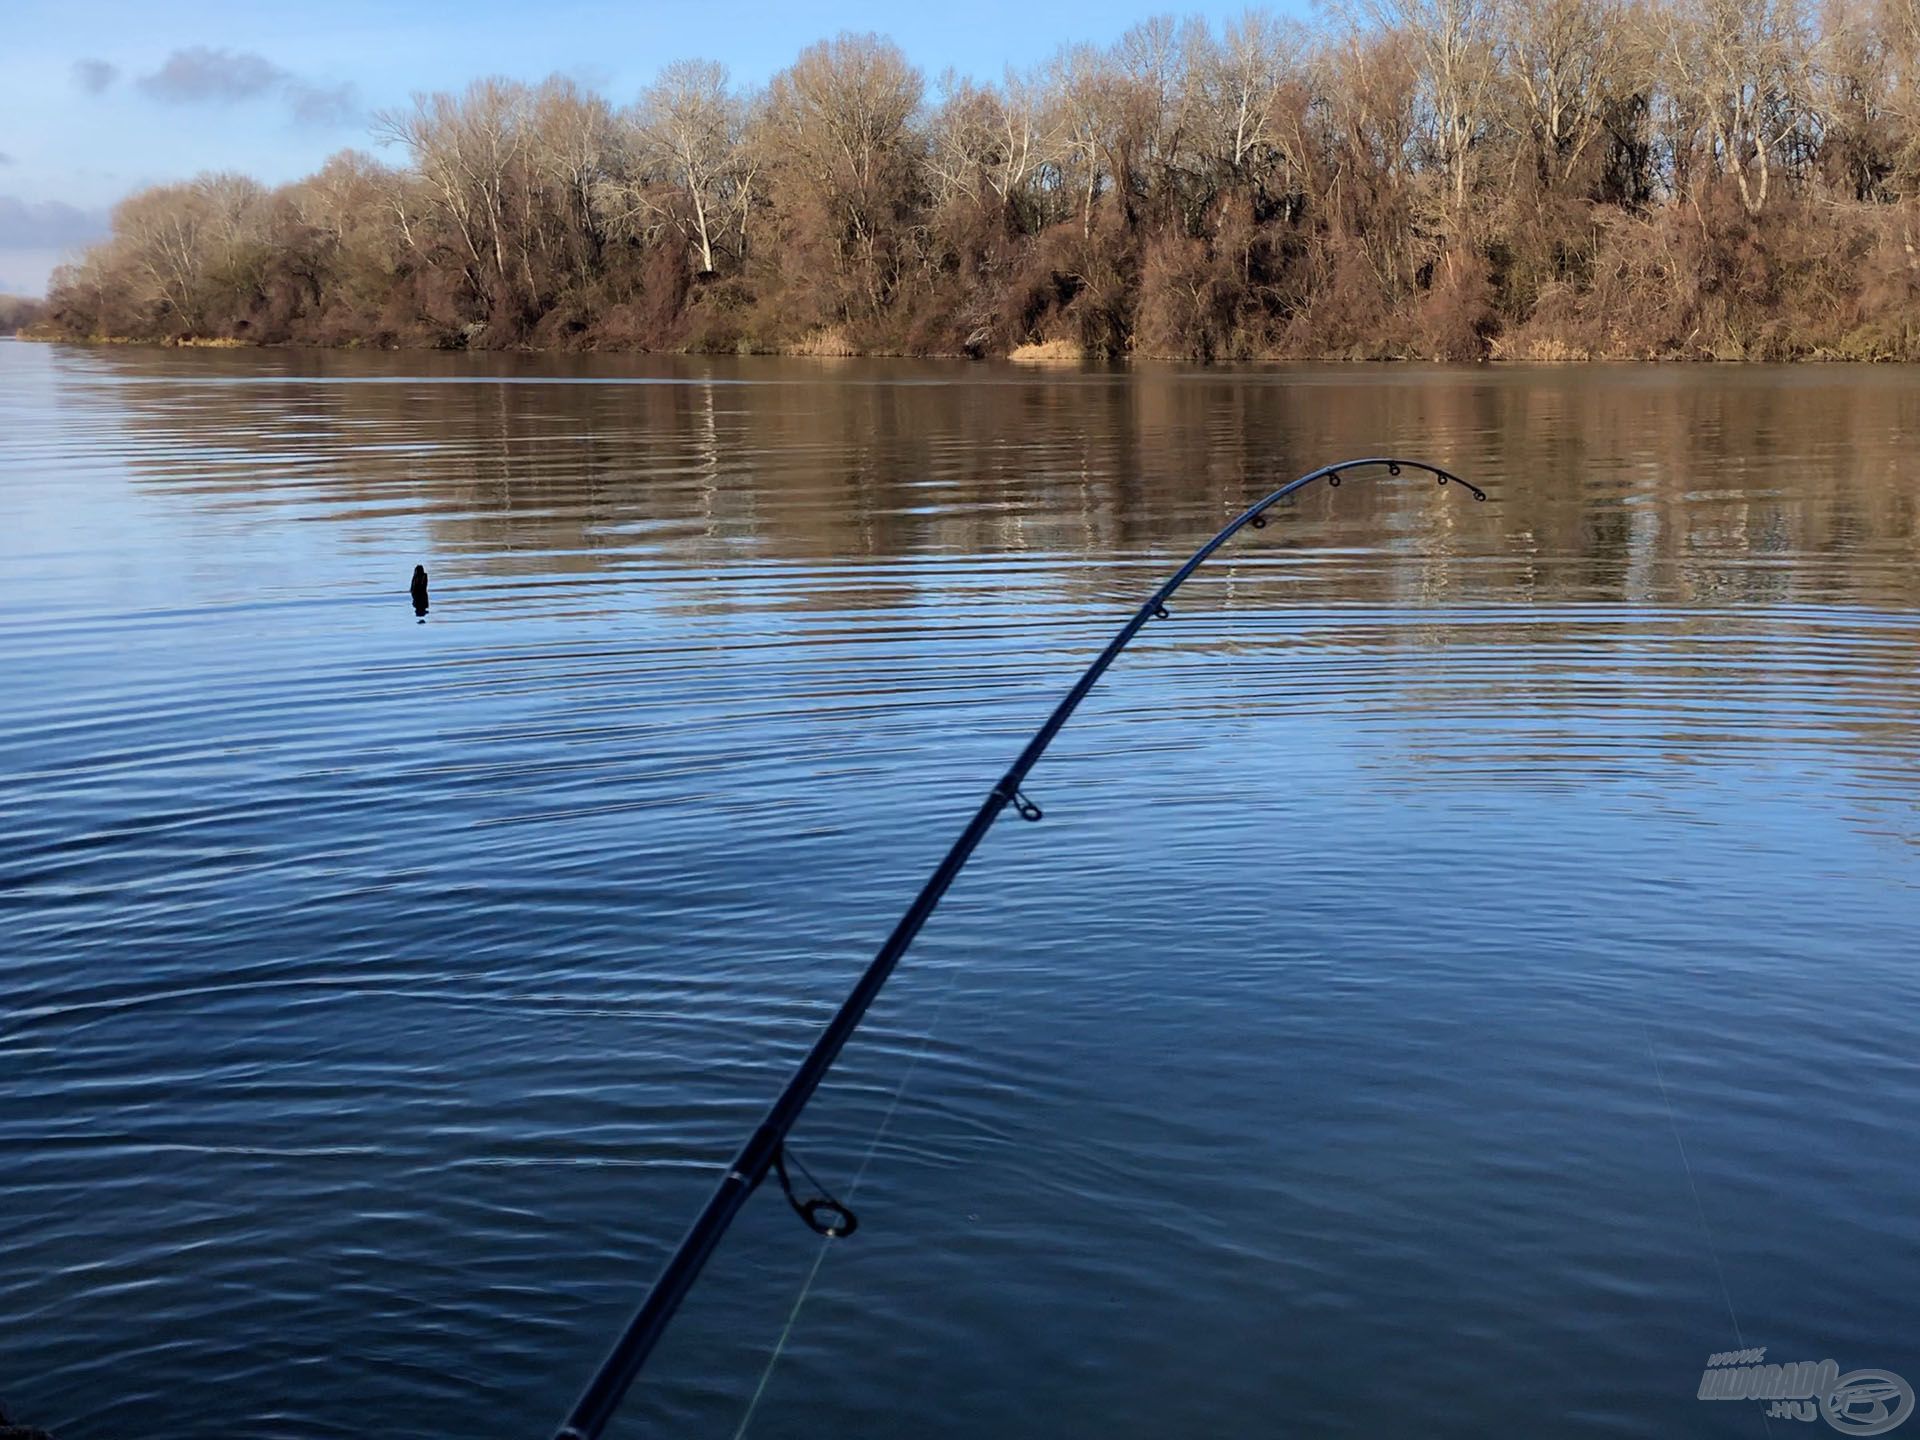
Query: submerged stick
764,1150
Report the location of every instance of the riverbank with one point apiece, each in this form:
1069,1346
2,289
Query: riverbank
1037,354
833,346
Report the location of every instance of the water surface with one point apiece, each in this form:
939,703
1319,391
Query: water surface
1465,976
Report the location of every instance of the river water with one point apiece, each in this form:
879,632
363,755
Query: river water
1466,974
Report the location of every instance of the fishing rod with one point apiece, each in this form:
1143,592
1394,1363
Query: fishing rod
765,1150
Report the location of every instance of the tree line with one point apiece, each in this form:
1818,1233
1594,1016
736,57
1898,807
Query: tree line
1453,179
20,312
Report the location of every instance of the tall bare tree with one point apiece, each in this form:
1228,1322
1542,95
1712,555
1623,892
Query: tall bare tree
690,127
1457,44
838,120
1744,68
1564,57
467,148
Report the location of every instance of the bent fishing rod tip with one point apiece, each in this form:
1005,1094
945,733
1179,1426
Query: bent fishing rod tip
1448,477
766,1149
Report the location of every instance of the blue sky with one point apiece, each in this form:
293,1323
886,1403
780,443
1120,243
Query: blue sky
98,99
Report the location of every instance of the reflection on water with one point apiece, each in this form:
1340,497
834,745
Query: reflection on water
383,994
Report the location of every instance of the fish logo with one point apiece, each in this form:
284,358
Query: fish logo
1867,1402
1860,1402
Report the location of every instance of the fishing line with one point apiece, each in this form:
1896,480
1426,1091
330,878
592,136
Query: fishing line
1699,1208
1705,1229
853,1188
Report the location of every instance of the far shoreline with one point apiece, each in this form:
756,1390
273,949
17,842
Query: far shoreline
1038,358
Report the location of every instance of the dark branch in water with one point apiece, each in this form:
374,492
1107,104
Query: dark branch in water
765,1149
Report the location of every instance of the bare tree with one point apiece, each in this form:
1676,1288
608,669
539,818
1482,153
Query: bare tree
1563,56
989,142
361,210
838,122
1457,43
690,128
1742,66
175,243
1856,96
467,148
1078,85
573,147
1244,136
1153,96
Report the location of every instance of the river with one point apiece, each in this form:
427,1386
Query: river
1466,974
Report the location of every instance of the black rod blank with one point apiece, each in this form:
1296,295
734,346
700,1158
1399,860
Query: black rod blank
604,1393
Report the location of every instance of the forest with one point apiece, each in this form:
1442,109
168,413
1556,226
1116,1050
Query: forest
1439,179
19,312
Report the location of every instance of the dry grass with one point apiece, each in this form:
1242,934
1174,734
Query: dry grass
831,343
46,332
1047,352
1548,348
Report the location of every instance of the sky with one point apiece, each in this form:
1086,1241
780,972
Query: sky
99,98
